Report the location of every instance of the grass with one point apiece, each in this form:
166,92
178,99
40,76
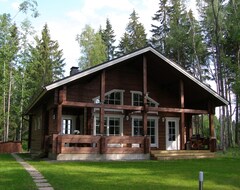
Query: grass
13,176
222,173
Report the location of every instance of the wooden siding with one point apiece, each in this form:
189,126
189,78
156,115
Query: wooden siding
125,77
37,132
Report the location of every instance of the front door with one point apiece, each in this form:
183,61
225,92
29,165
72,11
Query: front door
172,133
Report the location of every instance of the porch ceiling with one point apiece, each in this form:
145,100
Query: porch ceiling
168,77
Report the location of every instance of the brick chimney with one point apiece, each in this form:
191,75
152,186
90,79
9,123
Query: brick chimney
74,70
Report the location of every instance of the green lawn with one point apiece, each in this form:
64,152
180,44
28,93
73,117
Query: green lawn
222,173
13,176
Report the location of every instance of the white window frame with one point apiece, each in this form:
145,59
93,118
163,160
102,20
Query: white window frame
156,128
108,116
108,93
69,117
148,98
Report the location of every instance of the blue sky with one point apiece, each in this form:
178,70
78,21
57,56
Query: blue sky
67,18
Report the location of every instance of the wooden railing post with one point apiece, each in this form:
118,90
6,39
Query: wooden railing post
59,144
146,145
102,143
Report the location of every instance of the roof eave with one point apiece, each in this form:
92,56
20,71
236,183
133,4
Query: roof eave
44,91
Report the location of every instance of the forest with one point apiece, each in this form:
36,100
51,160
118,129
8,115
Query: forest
206,45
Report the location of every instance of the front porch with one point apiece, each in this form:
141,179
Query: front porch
89,147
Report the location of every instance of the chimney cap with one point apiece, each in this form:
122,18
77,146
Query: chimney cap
74,70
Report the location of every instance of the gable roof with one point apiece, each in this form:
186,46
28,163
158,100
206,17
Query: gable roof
102,66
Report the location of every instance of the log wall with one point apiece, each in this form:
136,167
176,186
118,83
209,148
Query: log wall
10,147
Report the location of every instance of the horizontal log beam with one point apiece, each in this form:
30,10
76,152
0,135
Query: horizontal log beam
177,110
105,106
133,108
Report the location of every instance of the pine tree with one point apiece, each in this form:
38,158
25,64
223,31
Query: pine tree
134,38
177,41
46,63
8,56
232,49
108,38
198,54
160,28
212,14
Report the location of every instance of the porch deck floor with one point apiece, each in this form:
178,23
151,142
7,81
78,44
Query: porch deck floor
180,154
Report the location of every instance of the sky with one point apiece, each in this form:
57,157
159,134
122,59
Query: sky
67,18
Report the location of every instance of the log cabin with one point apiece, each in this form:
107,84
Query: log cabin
121,110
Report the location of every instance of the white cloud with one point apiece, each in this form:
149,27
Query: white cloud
15,5
95,12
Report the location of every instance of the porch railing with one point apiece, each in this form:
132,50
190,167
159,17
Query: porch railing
88,144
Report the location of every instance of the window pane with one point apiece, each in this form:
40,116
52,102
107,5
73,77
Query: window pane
113,98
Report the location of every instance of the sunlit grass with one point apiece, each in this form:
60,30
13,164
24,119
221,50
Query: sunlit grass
13,176
221,173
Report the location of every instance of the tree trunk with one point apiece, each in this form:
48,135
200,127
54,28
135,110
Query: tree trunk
237,121
4,102
9,104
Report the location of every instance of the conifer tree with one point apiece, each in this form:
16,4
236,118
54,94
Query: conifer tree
160,28
8,56
108,38
46,63
134,37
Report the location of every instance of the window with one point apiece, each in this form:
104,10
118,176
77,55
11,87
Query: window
152,128
112,125
137,127
114,97
171,131
67,126
137,100
37,122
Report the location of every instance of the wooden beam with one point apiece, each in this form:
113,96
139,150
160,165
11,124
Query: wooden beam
182,127
211,125
102,97
211,120
132,108
59,118
144,95
176,110
63,94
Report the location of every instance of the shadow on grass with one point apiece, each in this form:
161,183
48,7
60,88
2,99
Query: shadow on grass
219,173
13,176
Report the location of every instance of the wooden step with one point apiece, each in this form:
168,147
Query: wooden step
181,154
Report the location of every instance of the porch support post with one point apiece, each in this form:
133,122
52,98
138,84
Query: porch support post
145,96
212,143
182,125
59,118
62,99
211,125
211,113
102,96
